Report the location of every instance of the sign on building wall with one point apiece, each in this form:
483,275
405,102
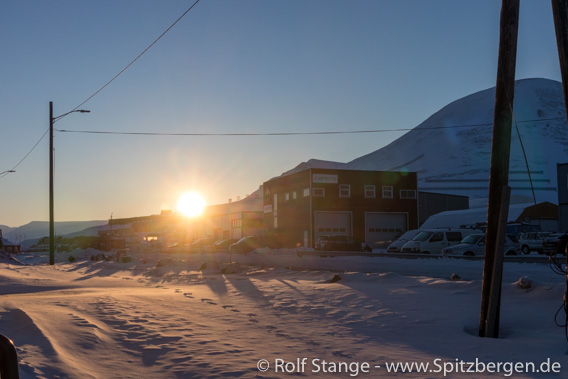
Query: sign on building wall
268,208
324,178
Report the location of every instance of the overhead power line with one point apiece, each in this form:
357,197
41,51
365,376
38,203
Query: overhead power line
25,156
289,133
106,84
138,57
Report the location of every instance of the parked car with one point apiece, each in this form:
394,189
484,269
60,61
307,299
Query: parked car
432,241
552,242
201,243
474,244
340,243
223,243
250,243
396,245
532,241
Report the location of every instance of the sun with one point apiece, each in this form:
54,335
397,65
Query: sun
191,204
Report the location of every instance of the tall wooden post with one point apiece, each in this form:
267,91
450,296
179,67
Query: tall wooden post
494,301
51,216
500,153
560,13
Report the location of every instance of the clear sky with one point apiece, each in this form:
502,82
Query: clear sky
229,66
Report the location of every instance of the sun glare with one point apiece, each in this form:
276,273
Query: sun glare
191,204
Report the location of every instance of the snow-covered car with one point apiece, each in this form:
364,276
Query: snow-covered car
474,244
396,245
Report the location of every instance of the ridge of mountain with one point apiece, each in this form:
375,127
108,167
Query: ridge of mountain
451,149
39,229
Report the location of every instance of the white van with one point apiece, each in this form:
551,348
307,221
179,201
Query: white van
396,245
432,241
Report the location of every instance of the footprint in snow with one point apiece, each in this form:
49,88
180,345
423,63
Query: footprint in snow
341,354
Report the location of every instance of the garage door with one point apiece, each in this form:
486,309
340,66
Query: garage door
382,228
332,223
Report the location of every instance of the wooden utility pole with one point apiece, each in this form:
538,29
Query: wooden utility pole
560,13
498,207
51,217
52,120
494,301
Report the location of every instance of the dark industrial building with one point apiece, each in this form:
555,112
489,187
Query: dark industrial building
370,206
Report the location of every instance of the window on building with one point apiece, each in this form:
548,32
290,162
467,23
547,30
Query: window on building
294,195
370,192
344,190
319,192
387,192
408,194
275,222
287,197
306,192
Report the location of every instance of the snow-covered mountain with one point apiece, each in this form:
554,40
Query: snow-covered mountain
451,150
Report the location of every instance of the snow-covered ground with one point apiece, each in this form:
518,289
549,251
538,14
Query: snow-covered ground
160,316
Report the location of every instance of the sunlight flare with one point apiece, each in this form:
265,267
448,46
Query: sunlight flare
191,204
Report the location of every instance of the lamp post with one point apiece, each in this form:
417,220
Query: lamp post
52,120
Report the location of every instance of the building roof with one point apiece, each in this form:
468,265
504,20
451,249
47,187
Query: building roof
5,242
517,213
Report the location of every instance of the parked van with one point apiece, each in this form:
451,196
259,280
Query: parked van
396,245
432,241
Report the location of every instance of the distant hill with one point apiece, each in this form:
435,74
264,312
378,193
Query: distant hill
5,229
38,229
451,150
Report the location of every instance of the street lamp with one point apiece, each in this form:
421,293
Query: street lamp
52,120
